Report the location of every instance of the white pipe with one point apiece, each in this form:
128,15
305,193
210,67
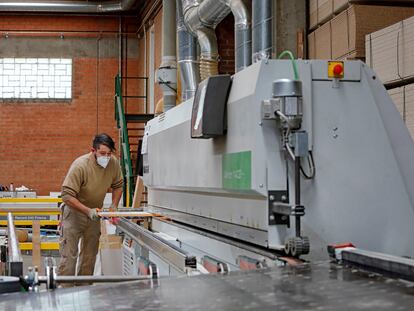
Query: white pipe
167,72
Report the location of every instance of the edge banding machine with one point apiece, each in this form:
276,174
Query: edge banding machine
265,169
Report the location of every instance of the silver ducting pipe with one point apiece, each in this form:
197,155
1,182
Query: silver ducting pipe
243,34
66,6
262,29
201,20
167,72
187,57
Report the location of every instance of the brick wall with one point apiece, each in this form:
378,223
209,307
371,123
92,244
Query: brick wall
40,139
225,40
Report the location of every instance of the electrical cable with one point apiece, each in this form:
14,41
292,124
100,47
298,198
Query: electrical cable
311,165
290,151
292,58
279,113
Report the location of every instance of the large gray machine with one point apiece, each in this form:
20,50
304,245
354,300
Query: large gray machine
242,184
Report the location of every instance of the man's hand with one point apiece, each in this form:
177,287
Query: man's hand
113,220
113,208
93,214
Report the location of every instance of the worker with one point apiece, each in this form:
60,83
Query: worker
83,192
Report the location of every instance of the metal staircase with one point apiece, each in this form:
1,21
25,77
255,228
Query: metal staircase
131,123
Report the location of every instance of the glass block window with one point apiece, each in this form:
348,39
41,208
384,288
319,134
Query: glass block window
35,78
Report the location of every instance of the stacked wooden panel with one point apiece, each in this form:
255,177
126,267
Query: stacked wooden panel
321,11
403,98
343,37
390,52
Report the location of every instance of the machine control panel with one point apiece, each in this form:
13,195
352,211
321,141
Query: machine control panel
336,70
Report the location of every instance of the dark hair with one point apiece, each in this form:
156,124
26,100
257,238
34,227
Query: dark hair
103,139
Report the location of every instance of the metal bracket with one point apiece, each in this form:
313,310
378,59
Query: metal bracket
274,197
248,263
214,266
299,210
269,108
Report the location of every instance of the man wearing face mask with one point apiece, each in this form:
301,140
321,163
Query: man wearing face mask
83,193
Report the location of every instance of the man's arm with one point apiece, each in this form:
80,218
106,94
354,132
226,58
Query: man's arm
74,203
117,186
116,197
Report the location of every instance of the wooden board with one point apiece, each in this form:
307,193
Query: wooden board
125,214
409,108
389,51
403,98
311,46
325,10
345,34
138,193
323,42
340,35
340,5
397,96
313,14
36,255
300,44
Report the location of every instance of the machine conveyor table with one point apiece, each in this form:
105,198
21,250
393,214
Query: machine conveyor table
320,286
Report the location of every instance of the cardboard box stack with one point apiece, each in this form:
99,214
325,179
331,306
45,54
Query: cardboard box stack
343,36
389,54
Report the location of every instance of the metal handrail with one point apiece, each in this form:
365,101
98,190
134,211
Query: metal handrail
121,121
125,149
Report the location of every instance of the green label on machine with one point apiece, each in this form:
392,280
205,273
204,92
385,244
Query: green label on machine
237,170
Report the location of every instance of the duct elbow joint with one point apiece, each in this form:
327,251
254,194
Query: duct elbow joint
241,14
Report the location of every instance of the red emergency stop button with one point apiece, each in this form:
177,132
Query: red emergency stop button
336,70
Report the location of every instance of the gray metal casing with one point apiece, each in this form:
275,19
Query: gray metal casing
363,191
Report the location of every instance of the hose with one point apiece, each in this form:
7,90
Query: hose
208,67
292,58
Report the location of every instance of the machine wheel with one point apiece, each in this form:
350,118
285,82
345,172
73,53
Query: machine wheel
288,245
297,246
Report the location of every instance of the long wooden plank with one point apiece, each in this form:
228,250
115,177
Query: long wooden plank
126,214
30,211
30,200
36,256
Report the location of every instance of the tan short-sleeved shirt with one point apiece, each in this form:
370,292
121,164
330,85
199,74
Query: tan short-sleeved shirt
88,182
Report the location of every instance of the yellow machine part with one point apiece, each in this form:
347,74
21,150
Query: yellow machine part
28,246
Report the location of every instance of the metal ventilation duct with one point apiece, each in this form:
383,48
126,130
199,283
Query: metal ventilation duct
262,30
187,57
66,6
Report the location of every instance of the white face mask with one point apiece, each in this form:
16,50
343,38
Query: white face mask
103,161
